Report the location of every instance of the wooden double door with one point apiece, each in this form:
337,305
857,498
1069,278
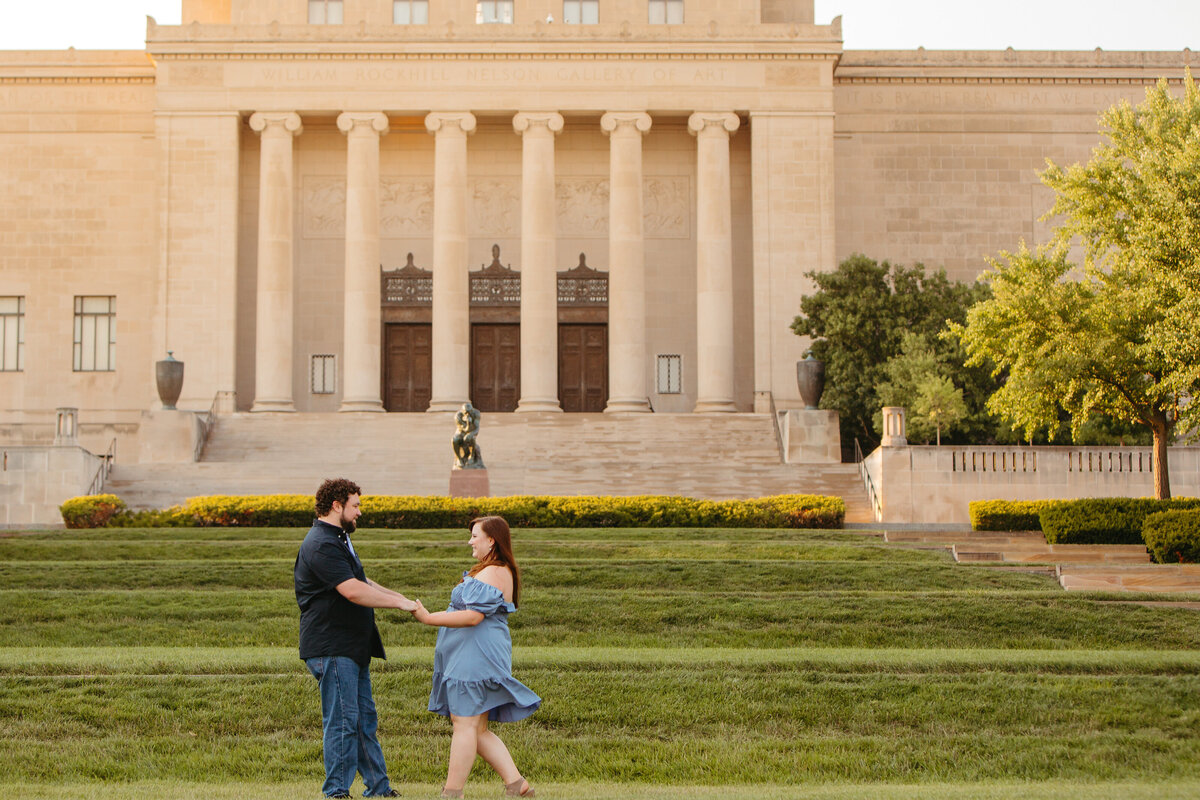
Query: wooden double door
407,366
583,367
496,366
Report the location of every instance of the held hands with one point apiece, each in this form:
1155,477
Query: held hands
419,612
404,604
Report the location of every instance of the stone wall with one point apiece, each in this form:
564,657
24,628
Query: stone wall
934,485
937,153
35,480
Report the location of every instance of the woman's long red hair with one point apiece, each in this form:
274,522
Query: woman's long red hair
502,554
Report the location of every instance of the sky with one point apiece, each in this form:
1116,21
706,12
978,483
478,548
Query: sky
866,24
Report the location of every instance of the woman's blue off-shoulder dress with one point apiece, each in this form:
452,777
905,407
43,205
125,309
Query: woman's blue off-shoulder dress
472,667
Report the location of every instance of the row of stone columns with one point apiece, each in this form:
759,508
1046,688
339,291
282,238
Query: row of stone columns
361,359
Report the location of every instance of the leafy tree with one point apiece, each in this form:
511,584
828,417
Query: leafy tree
919,379
939,403
858,317
1119,335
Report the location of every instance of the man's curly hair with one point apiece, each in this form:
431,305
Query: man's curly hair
335,490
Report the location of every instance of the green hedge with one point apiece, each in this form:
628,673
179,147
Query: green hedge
1007,515
1104,520
1173,536
91,511
296,510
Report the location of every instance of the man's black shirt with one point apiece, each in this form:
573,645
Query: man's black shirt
330,625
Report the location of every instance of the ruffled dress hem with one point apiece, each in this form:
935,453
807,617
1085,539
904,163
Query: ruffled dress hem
504,699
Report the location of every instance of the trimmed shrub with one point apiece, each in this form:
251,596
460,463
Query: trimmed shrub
149,518
1007,515
90,511
294,510
1173,536
1104,520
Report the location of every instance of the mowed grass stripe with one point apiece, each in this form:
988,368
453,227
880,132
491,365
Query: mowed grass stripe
429,576
232,661
701,702
583,618
370,551
449,536
1152,789
623,756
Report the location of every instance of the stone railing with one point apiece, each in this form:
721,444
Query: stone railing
936,484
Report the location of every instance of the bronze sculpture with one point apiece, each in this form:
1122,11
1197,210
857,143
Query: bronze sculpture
467,454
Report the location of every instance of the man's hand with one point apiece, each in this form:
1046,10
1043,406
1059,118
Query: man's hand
404,604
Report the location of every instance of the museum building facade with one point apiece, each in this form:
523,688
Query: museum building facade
534,205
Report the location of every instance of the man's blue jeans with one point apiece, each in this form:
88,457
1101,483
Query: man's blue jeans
349,719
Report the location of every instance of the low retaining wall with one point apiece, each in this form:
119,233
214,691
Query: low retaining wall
934,485
36,479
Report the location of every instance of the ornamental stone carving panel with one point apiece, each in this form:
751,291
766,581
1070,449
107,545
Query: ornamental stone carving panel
582,207
406,208
323,204
496,207
667,207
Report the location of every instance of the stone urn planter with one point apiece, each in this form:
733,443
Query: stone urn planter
810,377
169,375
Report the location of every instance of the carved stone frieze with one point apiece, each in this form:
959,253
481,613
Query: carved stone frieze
495,207
667,207
406,207
323,207
582,205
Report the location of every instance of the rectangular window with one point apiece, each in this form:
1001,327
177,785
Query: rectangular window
410,12
12,334
666,12
581,12
325,12
670,378
95,334
324,374
494,11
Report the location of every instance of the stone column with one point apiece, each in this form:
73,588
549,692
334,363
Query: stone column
451,294
273,331
539,271
714,262
627,263
361,349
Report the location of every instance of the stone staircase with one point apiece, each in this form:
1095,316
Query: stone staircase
1168,578
1076,567
1021,547
712,456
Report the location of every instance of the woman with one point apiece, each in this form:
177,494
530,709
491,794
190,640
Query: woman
472,665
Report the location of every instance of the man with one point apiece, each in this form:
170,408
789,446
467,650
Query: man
338,637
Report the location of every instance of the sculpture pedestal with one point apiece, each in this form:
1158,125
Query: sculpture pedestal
811,436
469,483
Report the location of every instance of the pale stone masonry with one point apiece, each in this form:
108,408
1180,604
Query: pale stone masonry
238,187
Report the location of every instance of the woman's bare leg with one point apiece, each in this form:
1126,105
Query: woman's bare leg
493,751
463,746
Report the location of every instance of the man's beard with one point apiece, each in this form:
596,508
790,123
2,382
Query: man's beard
348,524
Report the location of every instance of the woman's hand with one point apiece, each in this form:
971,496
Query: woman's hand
419,612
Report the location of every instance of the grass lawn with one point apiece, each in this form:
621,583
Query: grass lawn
674,663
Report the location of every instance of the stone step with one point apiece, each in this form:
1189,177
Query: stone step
713,456
976,537
1058,553
1122,578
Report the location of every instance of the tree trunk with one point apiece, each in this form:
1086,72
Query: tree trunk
1162,477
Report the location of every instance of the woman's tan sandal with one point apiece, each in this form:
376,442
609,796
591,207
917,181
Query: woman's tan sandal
448,792
519,788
